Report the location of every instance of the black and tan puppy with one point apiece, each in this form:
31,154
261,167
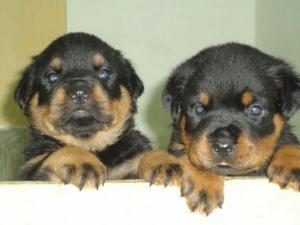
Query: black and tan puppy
80,97
230,105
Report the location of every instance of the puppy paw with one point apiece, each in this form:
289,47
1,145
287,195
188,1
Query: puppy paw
203,191
71,165
160,168
284,169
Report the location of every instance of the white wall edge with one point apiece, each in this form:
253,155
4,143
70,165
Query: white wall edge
247,201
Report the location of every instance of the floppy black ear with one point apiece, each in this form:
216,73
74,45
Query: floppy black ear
291,95
171,101
23,91
173,92
289,83
136,86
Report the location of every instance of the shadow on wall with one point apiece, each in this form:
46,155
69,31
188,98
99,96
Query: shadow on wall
158,119
12,113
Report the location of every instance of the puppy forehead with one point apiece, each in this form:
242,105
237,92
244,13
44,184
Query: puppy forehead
80,60
229,89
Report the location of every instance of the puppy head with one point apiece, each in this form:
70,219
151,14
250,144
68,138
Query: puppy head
231,103
78,88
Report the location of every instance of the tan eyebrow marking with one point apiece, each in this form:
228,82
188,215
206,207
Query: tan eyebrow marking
98,60
247,98
204,99
56,63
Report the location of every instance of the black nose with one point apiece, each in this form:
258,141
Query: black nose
223,140
79,92
222,148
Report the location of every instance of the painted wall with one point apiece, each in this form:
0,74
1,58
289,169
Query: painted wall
156,35
26,27
278,33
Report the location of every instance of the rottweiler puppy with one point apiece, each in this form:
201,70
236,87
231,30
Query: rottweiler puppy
230,106
80,97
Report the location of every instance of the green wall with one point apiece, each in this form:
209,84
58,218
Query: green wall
156,35
278,33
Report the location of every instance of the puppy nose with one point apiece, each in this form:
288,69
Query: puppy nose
80,96
79,92
223,140
222,148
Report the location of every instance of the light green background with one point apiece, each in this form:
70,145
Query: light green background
157,35
278,33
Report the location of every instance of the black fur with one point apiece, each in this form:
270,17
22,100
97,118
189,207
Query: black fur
225,72
76,51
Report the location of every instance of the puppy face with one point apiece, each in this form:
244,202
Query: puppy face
79,90
230,104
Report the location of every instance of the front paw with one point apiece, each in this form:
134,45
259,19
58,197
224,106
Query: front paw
284,169
71,165
160,168
203,191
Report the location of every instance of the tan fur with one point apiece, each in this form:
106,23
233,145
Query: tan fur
151,161
247,98
203,181
77,157
199,181
285,160
98,60
56,63
250,155
185,138
43,118
204,99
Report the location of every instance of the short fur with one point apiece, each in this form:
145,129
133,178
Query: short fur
230,106
80,94
231,75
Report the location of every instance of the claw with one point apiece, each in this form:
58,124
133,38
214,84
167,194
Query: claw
70,170
186,188
154,175
97,180
168,176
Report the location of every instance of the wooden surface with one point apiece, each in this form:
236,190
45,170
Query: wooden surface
247,202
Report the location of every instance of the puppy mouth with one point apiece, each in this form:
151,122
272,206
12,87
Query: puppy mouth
83,123
81,117
225,168
80,113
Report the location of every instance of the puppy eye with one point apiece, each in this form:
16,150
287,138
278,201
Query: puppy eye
199,109
255,110
52,77
103,73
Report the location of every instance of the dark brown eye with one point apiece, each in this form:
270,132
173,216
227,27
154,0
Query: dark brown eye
104,73
52,77
199,109
255,110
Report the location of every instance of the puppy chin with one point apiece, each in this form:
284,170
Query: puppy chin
228,169
84,125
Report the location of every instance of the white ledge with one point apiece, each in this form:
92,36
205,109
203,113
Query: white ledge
247,202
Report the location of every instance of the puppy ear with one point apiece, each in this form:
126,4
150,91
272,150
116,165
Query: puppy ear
171,103
173,92
136,86
289,84
23,91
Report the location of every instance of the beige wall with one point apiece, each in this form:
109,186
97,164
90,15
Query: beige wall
26,27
